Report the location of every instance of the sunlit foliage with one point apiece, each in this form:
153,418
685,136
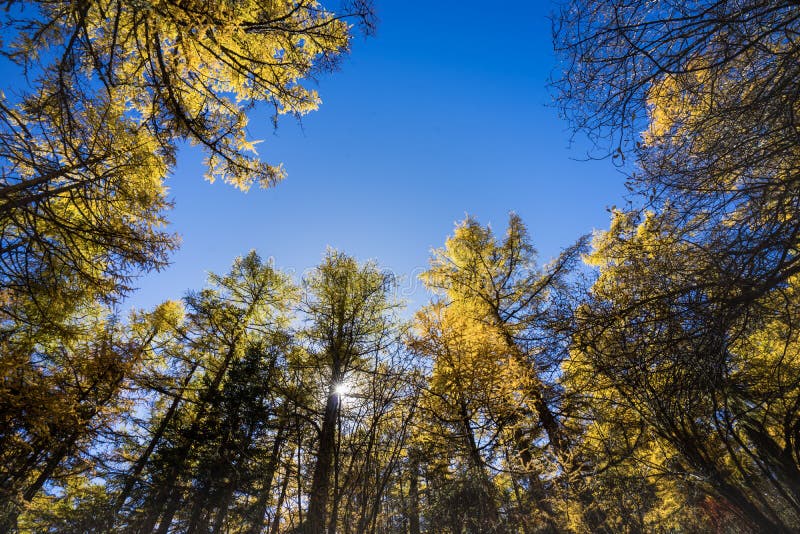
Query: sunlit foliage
646,379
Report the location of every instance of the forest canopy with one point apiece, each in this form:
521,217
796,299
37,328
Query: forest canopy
644,379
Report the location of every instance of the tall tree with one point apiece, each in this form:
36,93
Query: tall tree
688,362
518,314
247,308
113,88
350,317
63,396
464,408
710,83
687,286
498,284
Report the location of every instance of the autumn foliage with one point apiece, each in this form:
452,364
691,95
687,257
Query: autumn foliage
646,379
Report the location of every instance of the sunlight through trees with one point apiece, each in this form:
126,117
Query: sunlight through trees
645,379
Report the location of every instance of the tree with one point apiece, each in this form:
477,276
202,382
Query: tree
734,62
464,408
688,363
68,237
349,319
689,282
62,395
711,85
515,314
114,88
498,284
244,311
632,475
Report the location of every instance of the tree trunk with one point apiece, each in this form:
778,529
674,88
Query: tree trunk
141,462
320,485
172,508
488,507
276,521
224,506
49,468
171,493
200,505
536,491
413,495
536,391
259,509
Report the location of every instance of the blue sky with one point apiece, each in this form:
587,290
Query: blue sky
445,111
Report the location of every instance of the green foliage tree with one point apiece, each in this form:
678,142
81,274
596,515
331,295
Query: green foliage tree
350,319
248,306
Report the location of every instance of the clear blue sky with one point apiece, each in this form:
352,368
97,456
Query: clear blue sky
445,111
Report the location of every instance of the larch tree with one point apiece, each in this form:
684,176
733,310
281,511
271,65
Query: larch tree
463,409
659,329
249,305
61,398
497,283
518,314
682,320
350,314
113,89
106,92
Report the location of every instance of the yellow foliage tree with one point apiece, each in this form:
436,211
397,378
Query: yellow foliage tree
85,148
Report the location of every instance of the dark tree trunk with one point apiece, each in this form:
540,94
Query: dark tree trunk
141,462
536,494
413,495
536,391
223,507
259,509
489,517
200,506
171,509
276,521
320,485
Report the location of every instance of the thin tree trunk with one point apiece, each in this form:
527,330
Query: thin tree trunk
413,495
8,519
366,486
476,462
276,521
546,416
200,505
536,492
141,462
169,513
49,468
259,510
224,506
